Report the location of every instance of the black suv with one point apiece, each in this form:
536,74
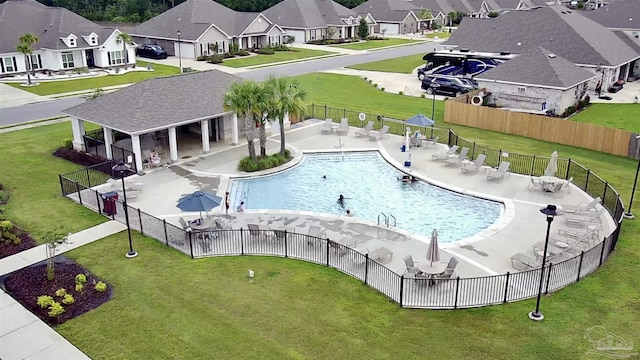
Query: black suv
442,85
151,51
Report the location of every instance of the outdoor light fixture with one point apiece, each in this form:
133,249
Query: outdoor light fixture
121,167
551,211
179,52
628,214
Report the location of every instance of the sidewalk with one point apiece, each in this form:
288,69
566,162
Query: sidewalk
22,334
15,97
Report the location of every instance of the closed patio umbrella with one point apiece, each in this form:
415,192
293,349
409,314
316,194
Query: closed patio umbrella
433,252
199,201
552,168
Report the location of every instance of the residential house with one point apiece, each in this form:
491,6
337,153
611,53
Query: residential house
440,9
537,80
66,40
392,17
437,8
307,20
198,27
564,32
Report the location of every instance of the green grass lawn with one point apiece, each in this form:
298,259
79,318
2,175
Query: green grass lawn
404,65
173,307
63,86
620,116
294,54
439,34
374,44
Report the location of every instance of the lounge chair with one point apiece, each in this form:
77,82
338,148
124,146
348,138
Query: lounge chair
500,172
474,166
535,183
375,135
455,161
366,130
523,262
343,129
327,127
446,154
581,207
116,185
584,219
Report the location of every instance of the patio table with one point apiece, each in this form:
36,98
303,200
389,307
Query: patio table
548,182
203,224
431,270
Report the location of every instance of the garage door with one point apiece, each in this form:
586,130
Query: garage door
298,35
187,51
391,29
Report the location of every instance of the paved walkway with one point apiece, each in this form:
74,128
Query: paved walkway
22,334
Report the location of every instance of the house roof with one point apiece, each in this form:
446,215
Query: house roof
158,103
539,67
630,40
386,10
192,18
308,14
564,32
619,14
49,24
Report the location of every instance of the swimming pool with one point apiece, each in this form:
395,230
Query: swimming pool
370,186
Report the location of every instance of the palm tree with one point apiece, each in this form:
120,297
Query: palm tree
25,42
424,14
287,97
125,39
247,99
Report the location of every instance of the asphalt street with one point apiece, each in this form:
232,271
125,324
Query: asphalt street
53,108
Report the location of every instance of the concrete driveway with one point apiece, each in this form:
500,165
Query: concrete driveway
10,96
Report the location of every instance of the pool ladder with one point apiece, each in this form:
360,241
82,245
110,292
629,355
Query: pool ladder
386,219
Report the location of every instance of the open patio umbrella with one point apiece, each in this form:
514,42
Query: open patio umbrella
199,201
433,252
552,168
420,120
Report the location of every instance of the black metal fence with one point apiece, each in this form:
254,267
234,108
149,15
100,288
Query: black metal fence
407,291
94,144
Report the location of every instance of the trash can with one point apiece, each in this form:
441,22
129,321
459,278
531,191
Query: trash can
109,199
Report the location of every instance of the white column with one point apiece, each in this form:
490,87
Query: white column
135,147
204,126
77,128
234,129
173,144
108,140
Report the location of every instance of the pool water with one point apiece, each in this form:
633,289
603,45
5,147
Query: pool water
370,186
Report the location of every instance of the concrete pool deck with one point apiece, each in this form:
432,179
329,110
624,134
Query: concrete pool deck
486,253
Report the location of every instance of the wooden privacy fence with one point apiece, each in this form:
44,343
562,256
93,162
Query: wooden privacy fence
584,135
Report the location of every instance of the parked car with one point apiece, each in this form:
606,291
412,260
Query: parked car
151,51
444,85
469,81
615,87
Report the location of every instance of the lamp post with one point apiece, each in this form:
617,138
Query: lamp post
434,86
179,52
121,168
551,211
628,214
600,69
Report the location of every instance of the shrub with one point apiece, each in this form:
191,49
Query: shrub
6,225
287,153
282,47
365,78
370,81
570,110
215,59
56,309
382,88
201,58
79,287
45,301
242,52
67,143
101,287
423,96
266,163
247,165
61,292
400,93
267,51
375,85
81,279
68,299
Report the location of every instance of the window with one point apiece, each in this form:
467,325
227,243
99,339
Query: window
72,42
36,62
8,64
93,40
116,57
274,40
313,34
67,60
522,89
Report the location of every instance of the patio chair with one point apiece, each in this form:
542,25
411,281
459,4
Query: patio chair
500,172
581,207
315,232
433,141
584,219
536,183
375,135
556,190
451,266
474,166
146,158
412,269
116,185
254,230
366,130
445,154
327,127
415,141
455,161
567,185
184,224
343,129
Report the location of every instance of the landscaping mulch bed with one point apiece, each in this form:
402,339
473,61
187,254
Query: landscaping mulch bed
27,284
78,157
8,249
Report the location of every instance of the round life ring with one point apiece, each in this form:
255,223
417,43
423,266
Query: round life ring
477,100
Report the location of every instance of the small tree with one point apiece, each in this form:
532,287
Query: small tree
288,39
424,15
494,14
383,31
124,39
214,48
363,29
24,46
330,32
53,239
94,94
